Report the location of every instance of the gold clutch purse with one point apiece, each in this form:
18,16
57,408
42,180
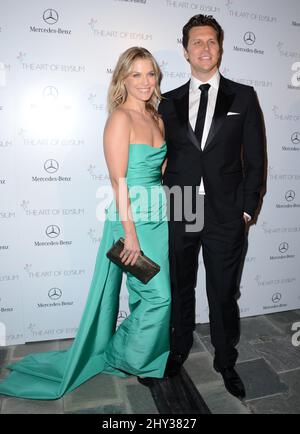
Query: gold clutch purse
144,268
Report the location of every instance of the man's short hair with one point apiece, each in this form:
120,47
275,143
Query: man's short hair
201,21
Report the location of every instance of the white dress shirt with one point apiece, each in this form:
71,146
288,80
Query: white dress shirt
194,101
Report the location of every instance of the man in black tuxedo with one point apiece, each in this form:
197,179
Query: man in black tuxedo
215,154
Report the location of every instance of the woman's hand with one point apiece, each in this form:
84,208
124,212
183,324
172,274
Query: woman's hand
131,250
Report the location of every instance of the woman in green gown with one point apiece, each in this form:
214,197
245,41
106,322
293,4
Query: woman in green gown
135,153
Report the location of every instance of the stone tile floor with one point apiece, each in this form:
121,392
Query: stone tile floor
269,364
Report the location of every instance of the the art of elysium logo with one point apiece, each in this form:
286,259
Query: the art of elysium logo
47,67
255,82
272,230
198,7
44,141
292,55
248,15
50,18
104,177
93,235
95,103
284,281
119,34
170,70
38,212
50,274
280,116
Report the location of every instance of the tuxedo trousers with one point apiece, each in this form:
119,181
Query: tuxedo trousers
222,247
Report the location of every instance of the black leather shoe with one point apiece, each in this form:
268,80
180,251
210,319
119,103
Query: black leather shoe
232,381
174,364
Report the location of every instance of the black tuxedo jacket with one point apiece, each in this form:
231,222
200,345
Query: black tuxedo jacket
232,161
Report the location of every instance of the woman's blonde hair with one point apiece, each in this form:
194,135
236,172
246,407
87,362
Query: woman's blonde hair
117,93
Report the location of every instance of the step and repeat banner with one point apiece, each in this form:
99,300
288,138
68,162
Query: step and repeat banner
56,62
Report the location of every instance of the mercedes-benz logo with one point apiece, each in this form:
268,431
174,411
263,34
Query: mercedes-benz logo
51,166
284,247
276,298
50,16
54,293
50,92
290,195
249,38
52,231
295,138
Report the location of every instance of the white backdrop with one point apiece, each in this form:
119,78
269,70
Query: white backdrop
55,67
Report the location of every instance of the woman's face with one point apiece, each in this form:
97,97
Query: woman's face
141,81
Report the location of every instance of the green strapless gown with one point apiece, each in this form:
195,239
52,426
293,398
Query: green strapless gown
140,345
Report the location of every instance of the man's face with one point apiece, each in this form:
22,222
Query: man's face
203,51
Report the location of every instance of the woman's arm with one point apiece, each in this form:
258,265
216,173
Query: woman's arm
116,141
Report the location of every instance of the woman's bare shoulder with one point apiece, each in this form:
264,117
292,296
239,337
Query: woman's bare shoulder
119,119
117,128
119,115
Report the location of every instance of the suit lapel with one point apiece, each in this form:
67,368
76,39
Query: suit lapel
182,109
193,138
182,105
224,101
